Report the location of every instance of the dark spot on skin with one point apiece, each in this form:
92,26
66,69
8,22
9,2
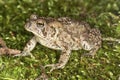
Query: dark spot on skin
29,43
52,31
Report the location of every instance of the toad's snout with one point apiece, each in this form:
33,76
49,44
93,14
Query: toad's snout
27,25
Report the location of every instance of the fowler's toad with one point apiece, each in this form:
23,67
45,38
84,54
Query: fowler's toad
62,34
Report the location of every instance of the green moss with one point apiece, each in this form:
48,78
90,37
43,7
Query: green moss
101,14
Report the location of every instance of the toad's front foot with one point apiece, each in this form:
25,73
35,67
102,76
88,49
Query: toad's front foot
88,55
24,54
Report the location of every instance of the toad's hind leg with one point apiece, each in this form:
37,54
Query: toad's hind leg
64,57
92,52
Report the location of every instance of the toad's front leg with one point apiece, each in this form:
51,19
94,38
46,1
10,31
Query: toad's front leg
29,47
64,57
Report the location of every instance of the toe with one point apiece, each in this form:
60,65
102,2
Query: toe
49,65
88,55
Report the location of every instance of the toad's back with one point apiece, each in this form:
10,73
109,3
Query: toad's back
67,34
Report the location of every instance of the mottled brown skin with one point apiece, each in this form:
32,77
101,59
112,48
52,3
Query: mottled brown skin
62,34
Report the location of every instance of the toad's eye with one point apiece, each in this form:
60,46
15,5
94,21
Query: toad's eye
40,24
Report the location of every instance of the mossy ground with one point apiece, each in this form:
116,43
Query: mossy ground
103,14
